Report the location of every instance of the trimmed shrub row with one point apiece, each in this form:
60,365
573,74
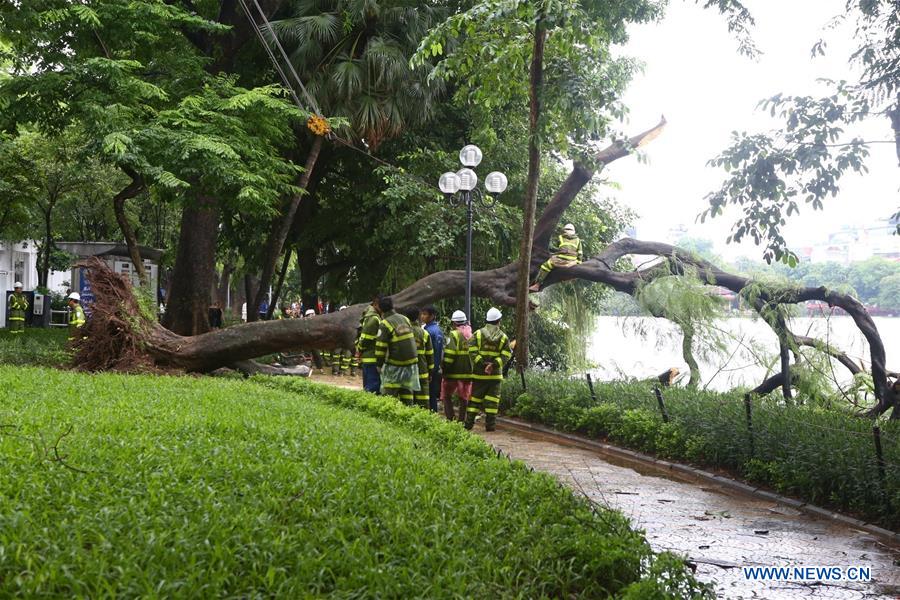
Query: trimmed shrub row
822,456
198,487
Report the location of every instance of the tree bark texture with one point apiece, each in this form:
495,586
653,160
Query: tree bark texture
531,192
687,353
275,243
187,310
130,191
276,294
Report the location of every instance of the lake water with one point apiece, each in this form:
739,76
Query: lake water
643,347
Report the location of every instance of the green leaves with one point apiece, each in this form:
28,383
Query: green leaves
353,57
769,173
487,49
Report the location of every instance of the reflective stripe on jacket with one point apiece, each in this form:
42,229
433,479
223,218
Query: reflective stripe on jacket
18,305
76,317
368,331
396,344
456,363
569,248
489,345
424,349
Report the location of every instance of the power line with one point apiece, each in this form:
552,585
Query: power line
312,101
313,105
275,63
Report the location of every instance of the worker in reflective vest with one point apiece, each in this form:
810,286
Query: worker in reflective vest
396,353
77,319
365,346
567,253
425,352
342,360
489,350
18,307
456,366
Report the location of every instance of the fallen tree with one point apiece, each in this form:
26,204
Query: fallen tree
210,351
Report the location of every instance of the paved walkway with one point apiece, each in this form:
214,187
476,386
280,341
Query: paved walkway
718,530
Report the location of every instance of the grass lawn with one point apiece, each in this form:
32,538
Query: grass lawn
200,487
36,347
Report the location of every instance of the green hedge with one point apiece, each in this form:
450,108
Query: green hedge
823,457
199,487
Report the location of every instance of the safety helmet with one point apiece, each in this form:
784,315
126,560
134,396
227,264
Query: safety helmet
17,285
309,313
569,228
458,316
493,315
74,296
344,307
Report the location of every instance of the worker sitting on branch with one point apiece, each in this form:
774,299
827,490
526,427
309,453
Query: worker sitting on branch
566,253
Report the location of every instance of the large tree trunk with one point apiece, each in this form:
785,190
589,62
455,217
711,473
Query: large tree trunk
276,294
46,247
187,310
277,238
134,252
531,192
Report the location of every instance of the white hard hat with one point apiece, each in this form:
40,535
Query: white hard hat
343,307
569,228
493,315
309,313
17,284
74,296
458,316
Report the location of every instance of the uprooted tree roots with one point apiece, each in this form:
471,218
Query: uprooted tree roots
114,338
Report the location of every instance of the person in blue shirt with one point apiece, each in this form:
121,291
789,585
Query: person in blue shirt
263,310
428,317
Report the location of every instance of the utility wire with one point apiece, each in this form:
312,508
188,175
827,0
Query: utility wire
313,105
309,98
272,58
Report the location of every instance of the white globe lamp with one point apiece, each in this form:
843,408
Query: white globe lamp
467,179
496,182
449,183
470,156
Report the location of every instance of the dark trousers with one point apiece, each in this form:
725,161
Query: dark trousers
434,390
371,379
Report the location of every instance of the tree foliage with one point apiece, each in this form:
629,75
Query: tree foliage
772,175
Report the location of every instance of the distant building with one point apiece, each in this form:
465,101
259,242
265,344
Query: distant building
18,262
853,243
116,256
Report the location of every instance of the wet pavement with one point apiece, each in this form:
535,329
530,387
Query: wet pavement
717,529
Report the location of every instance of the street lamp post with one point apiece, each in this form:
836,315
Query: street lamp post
463,186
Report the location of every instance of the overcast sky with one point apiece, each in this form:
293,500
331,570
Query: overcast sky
696,78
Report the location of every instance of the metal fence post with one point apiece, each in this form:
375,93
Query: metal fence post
662,405
748,409
590,383
879,455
